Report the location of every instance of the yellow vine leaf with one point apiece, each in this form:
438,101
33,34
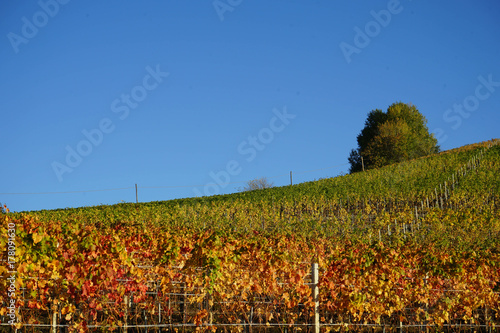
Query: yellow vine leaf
37,238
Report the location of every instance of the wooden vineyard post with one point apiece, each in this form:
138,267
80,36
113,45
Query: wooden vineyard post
209,309
315,295
184,307
251,319
159,313
136,195
54,317
125,315
488,324
170,313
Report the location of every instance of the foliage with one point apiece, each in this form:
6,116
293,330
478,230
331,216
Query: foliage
250,252
87,272
398,135
257,184
391,188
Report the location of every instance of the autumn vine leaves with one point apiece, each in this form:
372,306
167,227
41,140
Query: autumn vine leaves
246,258
225,276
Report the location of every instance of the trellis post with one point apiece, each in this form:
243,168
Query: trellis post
315,295
136,195
125,315
54,318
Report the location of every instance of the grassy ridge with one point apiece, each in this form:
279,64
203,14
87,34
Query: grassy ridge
400,185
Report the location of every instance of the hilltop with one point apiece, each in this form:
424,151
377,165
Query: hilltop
437,180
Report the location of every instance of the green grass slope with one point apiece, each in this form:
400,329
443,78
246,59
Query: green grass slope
407,184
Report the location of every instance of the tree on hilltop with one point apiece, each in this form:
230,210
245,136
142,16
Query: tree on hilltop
400,134
257,184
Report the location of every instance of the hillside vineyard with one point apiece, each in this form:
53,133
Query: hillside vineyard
410,246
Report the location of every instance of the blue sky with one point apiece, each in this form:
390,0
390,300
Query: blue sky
189,98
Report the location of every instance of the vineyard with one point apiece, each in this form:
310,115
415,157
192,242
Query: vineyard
409,247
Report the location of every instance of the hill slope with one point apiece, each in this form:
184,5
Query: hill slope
412,244
432,181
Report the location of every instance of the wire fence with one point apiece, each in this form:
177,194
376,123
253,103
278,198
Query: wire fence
177,310
157,187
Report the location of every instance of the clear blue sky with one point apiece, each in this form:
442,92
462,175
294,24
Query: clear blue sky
103,95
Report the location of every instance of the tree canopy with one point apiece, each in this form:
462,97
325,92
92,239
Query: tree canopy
257,184
397,135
